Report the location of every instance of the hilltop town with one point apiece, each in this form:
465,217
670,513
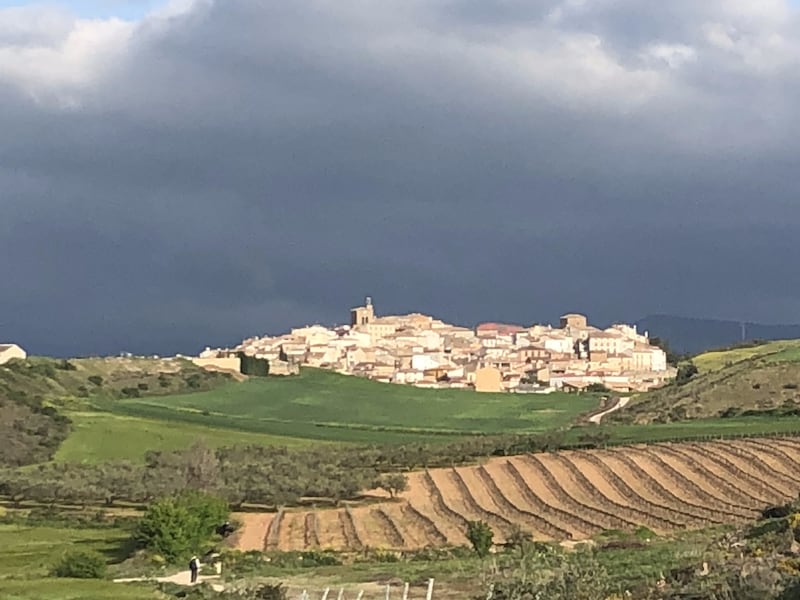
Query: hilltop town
419,350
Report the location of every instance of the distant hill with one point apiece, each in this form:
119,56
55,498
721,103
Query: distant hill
759,381
693,336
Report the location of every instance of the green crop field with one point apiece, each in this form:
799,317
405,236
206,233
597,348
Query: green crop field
98,436
324,405
27,555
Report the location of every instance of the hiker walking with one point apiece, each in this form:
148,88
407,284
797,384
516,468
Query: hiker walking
194,567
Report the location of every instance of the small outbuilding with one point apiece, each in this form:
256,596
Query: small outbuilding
10,351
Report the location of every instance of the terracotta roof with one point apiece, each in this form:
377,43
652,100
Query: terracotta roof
502,328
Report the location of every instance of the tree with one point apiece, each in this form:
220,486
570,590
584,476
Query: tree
481,536
393,483
179,526
686,371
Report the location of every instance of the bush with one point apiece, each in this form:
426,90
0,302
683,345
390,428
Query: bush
95,379
686,371
178,526
80,564
481,536
130,392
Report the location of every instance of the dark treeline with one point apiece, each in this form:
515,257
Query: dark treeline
252,474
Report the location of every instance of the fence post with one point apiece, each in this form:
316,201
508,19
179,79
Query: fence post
360,594
387,591
405,591
341,594
429,595
325,593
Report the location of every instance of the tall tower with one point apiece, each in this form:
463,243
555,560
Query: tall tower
362,315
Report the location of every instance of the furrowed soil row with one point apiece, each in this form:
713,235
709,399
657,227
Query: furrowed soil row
680,479
310,534
588,461
724,471
425,524
583,527
598,497
252,534
535,521
708,515
788,466
441,506
352,539
291,533
570,493
331,531
761,484
520,493
792,451
389,528
790,442
411,530
496,520
757,465
272,536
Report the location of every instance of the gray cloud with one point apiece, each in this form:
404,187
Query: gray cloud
236,168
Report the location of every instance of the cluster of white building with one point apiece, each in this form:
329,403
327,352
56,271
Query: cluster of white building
420,350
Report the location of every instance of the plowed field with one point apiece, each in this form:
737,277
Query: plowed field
567,495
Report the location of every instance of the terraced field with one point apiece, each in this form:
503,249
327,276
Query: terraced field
569,495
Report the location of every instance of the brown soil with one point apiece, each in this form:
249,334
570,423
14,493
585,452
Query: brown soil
572,495
329,527
254,527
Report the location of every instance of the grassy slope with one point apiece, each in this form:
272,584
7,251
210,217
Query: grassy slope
42,377
317,403
28,553
761,378
98,437
716,360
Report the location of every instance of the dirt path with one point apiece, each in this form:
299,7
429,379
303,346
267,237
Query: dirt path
182,578
599,416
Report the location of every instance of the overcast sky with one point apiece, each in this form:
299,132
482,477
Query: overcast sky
182,175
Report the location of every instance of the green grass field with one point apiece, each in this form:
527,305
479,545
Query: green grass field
325,398
316,406
104,436
27,554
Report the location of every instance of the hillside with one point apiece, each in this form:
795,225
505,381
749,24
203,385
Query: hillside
762,380
36,395
320,404
692,336
570,495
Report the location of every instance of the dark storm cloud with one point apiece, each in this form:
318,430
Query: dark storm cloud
236,167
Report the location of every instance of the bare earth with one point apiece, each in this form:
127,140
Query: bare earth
568,496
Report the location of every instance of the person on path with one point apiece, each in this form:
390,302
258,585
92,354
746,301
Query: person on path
194,567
